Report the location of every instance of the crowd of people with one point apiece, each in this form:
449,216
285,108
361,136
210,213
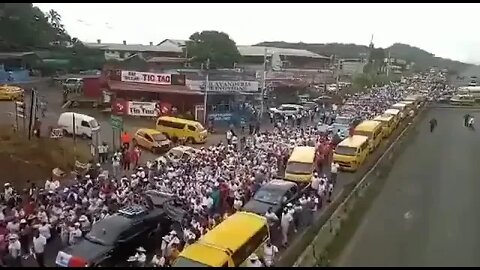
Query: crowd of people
214,183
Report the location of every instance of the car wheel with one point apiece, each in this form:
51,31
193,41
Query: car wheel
190,140
65,133
166,135
85,136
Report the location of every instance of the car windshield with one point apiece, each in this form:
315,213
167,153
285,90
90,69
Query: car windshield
363,133
342,121
299,167
268,195
159,137
345,150
199,127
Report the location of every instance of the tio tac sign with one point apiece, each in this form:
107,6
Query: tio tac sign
146,77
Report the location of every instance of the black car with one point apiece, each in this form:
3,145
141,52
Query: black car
113,239
275,194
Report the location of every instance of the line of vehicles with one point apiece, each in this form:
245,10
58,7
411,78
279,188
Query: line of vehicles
367,136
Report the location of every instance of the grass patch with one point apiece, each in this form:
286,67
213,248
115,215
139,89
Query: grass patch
22,159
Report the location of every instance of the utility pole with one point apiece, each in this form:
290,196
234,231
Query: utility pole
205,96
33,112
388,63
264,85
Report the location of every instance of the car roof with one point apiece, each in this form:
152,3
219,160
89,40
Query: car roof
280,184
148,131
179,120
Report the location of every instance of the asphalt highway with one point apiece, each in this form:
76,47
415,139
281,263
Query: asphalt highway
427,213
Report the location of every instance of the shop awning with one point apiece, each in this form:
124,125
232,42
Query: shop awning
140,87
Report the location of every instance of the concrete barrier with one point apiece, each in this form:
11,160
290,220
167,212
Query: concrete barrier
329,226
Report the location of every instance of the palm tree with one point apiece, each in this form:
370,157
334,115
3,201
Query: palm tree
54,18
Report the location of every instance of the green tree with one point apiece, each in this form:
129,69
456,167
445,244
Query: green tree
25,27
217,46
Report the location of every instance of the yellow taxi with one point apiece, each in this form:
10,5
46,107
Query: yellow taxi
8,92
179,128
152,140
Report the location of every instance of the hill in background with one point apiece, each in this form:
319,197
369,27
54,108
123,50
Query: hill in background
423,59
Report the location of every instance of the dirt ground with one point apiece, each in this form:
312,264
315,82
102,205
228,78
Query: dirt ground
22,160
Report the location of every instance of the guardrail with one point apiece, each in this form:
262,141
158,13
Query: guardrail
316,253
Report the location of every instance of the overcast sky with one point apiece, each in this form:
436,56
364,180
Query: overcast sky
447,30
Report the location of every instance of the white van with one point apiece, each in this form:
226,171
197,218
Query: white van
85,125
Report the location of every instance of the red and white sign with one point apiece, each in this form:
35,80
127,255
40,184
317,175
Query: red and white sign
136,108
146,77
119,107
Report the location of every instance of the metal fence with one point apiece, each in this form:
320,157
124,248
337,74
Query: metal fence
316,252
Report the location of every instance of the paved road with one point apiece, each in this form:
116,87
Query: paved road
427,214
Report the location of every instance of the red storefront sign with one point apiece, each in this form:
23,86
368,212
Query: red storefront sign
119,107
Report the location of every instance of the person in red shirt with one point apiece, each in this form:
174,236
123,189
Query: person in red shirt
125,138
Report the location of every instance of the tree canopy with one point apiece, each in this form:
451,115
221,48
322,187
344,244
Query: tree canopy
216,46
25,27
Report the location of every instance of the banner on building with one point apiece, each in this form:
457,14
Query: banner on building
146,77
138,108
224,86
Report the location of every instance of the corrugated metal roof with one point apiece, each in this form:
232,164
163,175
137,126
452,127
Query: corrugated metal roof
260,50
127,47
126,86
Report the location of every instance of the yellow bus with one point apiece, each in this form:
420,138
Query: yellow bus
371,129
301,164
396,115
229,244
388,124
351,152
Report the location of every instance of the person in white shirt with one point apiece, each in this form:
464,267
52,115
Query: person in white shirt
15,250
44,229
237,204
315,181
13,226
141,257
39,243
253,261
334,172
285,225
269,252
158,260
272,218
75,234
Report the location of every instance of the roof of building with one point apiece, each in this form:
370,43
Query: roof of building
176,45
260,51
6,55
176,89
126,47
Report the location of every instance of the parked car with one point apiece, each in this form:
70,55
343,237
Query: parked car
113,239
276,194
152,140
177,153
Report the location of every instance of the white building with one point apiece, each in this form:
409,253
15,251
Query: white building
116,51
